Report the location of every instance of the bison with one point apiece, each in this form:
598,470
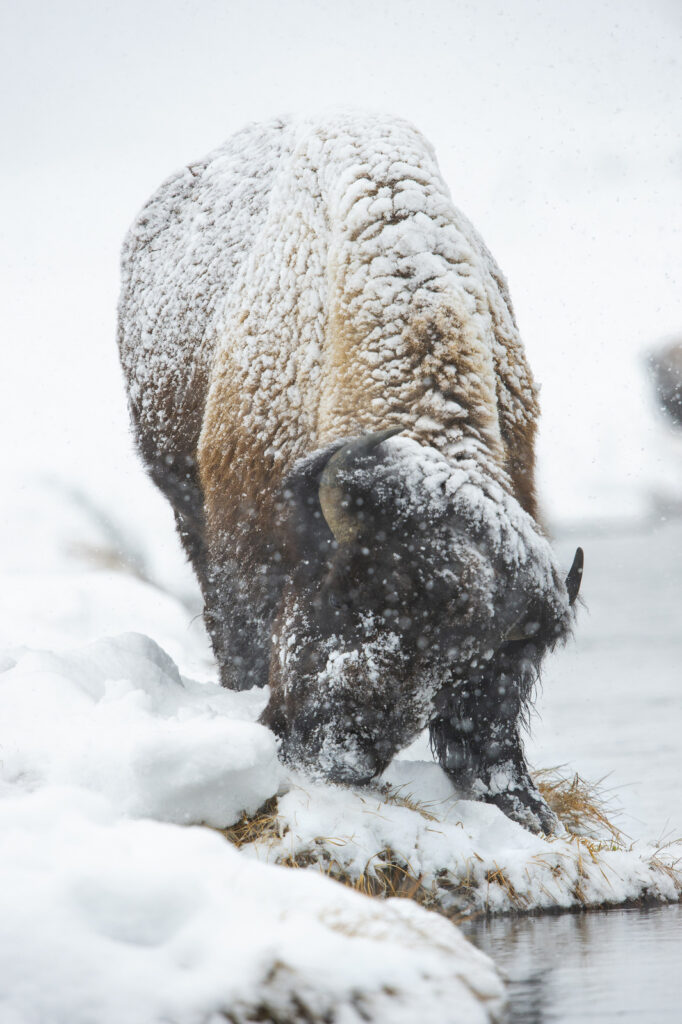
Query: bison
327,382
665,369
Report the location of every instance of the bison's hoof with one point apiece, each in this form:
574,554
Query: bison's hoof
529,810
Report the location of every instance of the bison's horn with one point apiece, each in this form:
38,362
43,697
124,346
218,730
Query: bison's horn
575,575
333,497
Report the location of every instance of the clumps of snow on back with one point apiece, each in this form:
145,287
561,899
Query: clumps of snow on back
320,267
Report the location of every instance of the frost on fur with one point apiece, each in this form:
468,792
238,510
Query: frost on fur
327,382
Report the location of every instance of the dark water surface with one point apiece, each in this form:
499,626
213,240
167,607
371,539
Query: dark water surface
610,706
615,965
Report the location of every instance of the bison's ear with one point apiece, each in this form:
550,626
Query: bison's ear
300,517
575,575
335,502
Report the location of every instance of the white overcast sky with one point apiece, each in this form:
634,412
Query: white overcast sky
558,127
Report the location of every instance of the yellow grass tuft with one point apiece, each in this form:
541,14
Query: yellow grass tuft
583,808
396,796
386,874
264,824
673,869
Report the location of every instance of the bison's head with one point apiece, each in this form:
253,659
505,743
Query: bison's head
407,575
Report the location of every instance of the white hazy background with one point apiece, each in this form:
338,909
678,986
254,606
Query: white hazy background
558,128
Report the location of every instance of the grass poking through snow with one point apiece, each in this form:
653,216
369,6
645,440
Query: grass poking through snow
583,808
574,871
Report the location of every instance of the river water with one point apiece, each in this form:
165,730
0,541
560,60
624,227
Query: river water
611,705
613,965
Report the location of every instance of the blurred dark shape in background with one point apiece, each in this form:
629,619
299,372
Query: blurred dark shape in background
665,369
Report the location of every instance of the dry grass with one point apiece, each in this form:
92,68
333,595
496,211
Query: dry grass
395,796
386,874
264,824
673,869
583,808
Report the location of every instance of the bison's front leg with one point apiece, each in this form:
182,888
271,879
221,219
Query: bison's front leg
475,736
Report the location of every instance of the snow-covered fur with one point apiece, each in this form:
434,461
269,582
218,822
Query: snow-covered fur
309,283
665,365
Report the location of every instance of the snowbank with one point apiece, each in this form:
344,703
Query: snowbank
75,568
111,920
116,718
463,855
108,912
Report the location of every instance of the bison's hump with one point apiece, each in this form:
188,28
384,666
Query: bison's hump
311,279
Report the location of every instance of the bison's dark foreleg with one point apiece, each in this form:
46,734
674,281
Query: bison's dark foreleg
177,477
231,634
238,618
476,737
226,625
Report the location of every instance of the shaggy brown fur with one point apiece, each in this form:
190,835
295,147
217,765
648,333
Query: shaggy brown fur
307,284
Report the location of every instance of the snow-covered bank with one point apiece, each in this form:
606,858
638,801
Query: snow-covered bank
456,855
110,920
115,718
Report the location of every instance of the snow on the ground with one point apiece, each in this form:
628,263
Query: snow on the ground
108,913
108,919
468,854
116,718
75,568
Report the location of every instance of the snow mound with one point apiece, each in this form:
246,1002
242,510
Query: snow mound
108,915
455,855
73,572
112,920
116,718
